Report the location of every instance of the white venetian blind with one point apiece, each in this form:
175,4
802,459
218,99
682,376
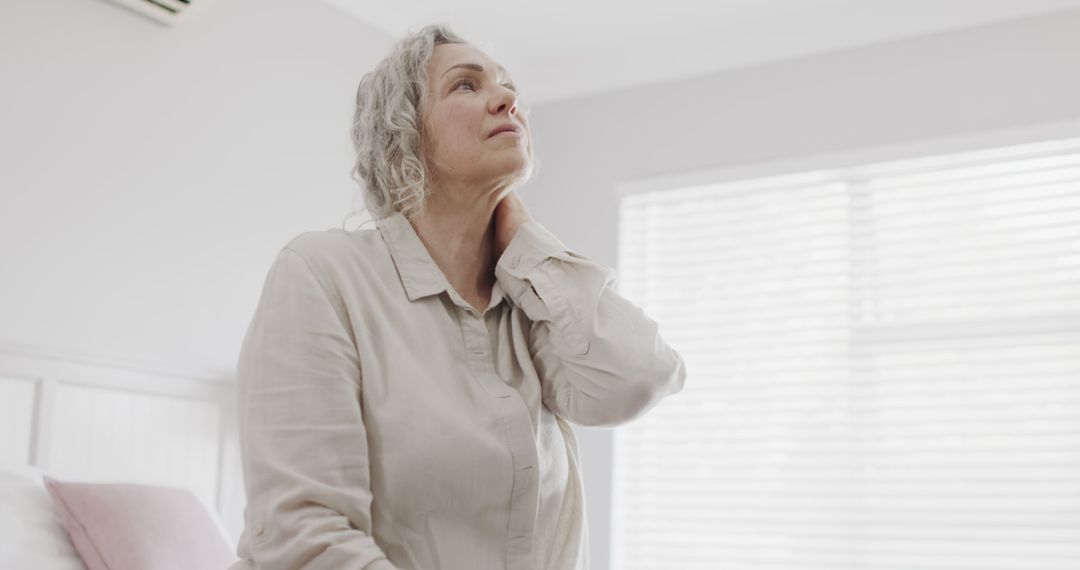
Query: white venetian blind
883,369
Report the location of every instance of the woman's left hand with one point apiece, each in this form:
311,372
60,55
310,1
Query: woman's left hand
510,213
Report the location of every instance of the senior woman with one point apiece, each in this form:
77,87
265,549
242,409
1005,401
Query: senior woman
404,392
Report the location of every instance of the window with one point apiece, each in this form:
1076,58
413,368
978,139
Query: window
884,368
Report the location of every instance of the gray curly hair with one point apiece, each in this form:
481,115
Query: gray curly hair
387,130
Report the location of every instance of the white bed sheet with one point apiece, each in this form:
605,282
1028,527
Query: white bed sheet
31,535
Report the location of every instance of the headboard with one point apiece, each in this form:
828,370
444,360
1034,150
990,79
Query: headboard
101,422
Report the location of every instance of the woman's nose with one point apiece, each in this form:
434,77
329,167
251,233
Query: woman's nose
506,99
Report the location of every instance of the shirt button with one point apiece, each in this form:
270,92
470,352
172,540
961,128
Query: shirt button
258,529
514,260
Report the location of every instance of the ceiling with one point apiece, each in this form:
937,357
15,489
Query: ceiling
560,49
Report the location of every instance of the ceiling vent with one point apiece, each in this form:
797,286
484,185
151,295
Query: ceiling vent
164,11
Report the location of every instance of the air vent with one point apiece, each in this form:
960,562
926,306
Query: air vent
164,11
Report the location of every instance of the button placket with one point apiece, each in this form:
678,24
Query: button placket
476,344
476,334
520,438
523,498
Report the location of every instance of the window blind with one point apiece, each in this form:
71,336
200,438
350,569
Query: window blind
883,368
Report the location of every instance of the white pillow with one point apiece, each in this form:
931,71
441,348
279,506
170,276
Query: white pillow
31,536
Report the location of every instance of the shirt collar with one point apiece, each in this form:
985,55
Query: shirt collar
418,272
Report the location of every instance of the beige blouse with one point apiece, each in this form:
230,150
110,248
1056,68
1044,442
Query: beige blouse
386,424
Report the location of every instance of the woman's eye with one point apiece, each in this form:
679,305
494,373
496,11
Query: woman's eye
469,82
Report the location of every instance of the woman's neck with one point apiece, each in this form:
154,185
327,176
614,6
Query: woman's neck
460,239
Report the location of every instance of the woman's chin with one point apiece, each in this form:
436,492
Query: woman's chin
515,164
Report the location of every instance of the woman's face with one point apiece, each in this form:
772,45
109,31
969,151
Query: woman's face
470,95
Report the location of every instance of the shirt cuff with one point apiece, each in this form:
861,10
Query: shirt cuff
532,244
530,247
555,293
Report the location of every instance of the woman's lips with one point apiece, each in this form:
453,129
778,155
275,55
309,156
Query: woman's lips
504,127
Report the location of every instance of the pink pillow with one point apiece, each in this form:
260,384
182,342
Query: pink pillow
127,526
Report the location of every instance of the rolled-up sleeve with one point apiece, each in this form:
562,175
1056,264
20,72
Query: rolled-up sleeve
600,358
303,442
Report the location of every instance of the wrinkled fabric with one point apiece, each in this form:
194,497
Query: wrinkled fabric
387,424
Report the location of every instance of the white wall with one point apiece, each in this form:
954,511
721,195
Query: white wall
149,174
1001,77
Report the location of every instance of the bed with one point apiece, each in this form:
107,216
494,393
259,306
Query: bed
110,466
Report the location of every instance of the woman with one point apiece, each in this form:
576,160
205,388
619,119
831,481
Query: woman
405,391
